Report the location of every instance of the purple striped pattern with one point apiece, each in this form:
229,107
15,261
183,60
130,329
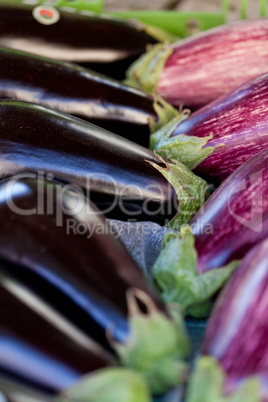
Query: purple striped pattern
239,120
235,217
211,64
237,333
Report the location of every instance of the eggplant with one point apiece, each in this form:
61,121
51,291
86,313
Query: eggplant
78,36
75,90
39,347
200,69
42,351
125,180
54,241
235,348
217,139
195,264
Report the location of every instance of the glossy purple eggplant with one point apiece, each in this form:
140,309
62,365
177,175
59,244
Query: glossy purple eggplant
197,70
236,337
77,91
226,132
38,346
126,180
195,264
55,242
79,36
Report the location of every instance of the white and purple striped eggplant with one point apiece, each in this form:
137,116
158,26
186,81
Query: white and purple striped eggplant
220,137
235,349
197,70
195,264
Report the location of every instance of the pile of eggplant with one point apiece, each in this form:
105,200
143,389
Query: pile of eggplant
123,215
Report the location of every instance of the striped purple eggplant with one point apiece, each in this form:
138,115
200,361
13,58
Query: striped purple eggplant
197,70
194,265
222,135
235,346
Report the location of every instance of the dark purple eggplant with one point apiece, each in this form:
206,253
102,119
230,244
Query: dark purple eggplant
194,265
217,139
125,180
75,90
38,346
81,36
197,70
235,346
54,241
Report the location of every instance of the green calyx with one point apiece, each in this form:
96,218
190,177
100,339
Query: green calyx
156,345
191,190
175,272
113,384
144,72
188,150
207,384
165,113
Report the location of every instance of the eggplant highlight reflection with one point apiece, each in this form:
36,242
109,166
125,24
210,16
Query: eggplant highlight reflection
57,243
125,180
75,90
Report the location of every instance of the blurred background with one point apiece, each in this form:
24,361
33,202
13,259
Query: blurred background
183,5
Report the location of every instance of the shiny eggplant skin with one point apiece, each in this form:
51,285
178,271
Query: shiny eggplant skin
38,347
239,347
75,90
112,169
54,241
80,37
235,217
239,124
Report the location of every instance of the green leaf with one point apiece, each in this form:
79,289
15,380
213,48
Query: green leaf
157,344
207,384
175,272
108,385
191,190
189,150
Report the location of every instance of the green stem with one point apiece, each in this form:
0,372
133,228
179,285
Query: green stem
145,72
207,384
108,385
176,274
157,344
191,190
165,113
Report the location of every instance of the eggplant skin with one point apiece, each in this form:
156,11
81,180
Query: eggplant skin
112,170
239,124
75,90
80,37
55,242
235,218
241,348
38,348
211,64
